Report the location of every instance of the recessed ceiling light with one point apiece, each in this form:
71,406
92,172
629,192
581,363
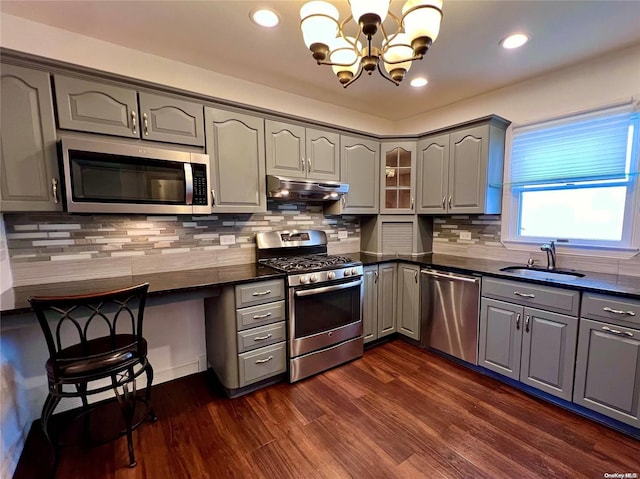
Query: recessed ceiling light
265,17
418,82
514,41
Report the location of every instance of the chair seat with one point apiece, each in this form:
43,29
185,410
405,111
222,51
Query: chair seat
100,355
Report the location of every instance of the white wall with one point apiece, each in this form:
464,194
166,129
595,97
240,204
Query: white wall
26,36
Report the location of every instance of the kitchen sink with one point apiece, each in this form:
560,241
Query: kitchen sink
542,273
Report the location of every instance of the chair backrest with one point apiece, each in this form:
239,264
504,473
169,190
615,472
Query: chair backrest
74,320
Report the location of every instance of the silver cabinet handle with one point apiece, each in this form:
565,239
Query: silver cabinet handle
524,295
303,164
344,202
134,126
54,190
213,197
375,277
261,316
526,323
262,338
260,361
262,293
517,321
610,310
412,202
309,165
444,202
415,276
615,331
145,123
450,198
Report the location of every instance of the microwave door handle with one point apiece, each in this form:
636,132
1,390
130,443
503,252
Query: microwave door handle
188,182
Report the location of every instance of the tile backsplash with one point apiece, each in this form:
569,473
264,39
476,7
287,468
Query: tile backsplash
479,229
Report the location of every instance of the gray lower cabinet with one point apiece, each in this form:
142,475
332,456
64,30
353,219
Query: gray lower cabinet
297,152
29,175
379,306
360,169
608,361
85,105
246,334
235,144
531,345
408,319
461,171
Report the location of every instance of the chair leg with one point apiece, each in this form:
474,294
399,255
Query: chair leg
82,390
47,411
149,372
127,406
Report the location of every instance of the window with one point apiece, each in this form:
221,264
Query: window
575,180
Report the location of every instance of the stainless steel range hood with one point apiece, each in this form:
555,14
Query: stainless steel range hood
279,187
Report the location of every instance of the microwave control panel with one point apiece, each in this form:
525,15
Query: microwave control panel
200,197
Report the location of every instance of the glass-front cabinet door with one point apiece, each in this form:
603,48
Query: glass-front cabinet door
398,178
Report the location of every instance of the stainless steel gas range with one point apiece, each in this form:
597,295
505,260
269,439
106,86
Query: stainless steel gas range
325,295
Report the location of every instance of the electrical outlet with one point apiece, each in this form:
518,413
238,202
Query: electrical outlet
227,239
343,235
465,235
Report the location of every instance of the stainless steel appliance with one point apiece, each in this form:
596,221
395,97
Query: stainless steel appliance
282,188
325,295
116,177
450,305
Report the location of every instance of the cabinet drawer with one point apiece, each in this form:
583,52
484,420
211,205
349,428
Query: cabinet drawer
260,315
257,293
262,363
263,336
610,308
544,297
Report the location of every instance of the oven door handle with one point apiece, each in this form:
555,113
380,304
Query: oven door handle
327,289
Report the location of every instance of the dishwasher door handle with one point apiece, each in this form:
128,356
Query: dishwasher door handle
452,277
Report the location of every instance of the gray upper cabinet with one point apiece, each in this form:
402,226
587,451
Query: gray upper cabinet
29,177
294,151
171,120
235,144
534,346
608,360
398,178
461,172
102,108
360,168
408,319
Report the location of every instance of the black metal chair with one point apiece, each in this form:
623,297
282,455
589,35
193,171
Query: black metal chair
95,344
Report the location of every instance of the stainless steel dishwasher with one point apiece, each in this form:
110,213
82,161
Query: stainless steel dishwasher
450,306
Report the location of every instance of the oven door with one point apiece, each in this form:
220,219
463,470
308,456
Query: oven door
321,316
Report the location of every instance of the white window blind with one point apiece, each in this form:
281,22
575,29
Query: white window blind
596,147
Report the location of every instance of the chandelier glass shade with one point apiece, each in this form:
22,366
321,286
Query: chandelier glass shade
324,35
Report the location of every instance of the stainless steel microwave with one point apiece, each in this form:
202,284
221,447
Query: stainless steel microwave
103,176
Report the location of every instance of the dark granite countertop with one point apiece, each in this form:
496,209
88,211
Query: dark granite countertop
594,282
15,299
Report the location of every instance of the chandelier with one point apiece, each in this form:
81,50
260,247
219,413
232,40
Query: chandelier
325,36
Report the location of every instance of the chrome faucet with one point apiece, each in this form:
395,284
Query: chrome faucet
550,249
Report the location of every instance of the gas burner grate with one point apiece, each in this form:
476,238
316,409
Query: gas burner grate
307,262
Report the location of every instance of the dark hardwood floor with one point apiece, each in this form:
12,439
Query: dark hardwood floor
399,412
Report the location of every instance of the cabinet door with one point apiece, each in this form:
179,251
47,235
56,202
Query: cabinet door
285,149
360,168
433,174
29,178
608,370
500,337
387,294
398,178
91,106
235,144
323,155
171,120
548,352
468,170
370,304
409,301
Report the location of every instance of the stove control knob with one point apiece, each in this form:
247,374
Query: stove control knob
313,278
304,279
347,272
331,275
354,271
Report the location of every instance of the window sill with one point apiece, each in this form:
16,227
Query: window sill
574,250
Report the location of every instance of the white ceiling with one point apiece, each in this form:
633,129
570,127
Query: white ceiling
465,61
